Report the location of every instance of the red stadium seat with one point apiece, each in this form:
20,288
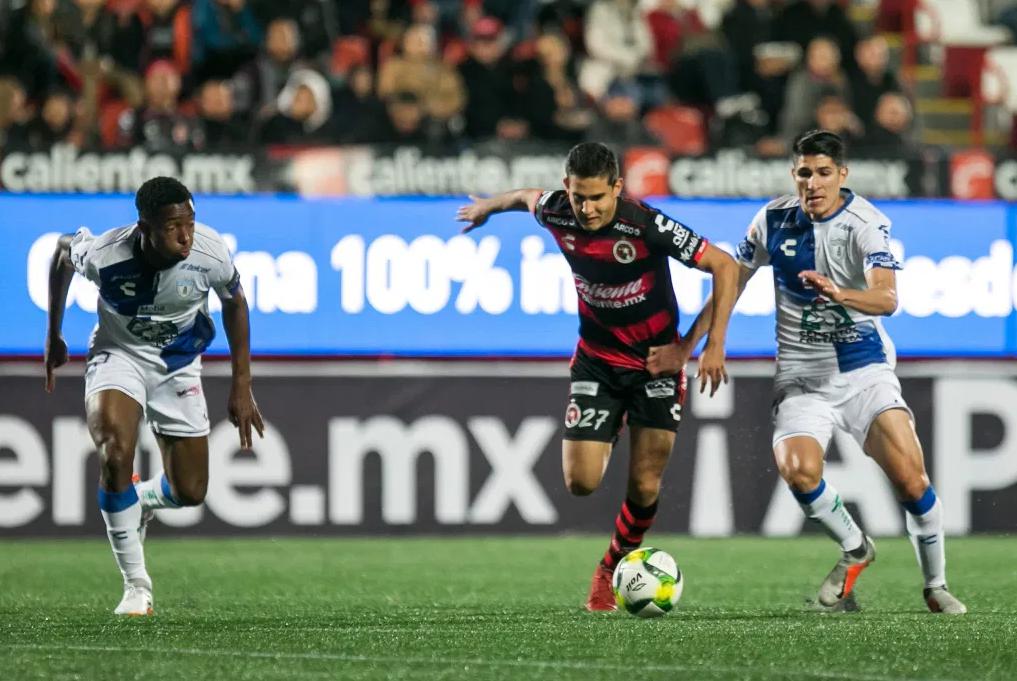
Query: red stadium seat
183,36
680,128
455,52
387,48
348,52
524,50
109,122
958,27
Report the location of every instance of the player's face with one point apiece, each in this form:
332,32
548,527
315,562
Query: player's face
171,231
819,181
593,199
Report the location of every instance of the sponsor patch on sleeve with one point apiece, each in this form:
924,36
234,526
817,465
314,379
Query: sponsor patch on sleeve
882,259
746,251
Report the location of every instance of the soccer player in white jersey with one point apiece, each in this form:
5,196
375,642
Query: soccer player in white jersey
834,276
145,358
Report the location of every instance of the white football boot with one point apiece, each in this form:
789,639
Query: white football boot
940,600
147,514
137,601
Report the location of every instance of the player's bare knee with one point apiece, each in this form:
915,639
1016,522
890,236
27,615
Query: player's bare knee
644,491
191,495
580,487
802,477
114,450
912,487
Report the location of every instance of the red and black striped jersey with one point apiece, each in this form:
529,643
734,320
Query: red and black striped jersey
622,275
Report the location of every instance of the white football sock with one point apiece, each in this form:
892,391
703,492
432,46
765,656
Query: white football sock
155,493
823,505
924,519
122,514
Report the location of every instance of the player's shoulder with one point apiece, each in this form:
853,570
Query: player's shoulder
554,201
782,204
117,235
209,243
863,213
109,245
635,213
776,211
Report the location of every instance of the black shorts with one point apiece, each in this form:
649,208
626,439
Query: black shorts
603,397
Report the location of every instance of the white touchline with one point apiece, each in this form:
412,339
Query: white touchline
452,661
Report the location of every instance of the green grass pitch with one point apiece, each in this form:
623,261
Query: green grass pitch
500,609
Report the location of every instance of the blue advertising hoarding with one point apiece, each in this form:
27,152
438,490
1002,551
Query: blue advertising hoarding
369,277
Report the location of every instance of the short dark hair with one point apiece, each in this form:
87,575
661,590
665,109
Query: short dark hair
823,142
159,192
592,159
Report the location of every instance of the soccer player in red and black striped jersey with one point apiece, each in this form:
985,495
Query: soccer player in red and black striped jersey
618,250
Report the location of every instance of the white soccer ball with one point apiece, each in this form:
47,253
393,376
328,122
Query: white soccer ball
647,583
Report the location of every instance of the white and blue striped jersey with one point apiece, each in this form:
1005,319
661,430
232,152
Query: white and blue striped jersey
817,337
158,316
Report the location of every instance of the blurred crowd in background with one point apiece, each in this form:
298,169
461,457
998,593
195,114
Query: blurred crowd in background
220,75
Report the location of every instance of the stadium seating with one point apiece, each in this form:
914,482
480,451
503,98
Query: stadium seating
680,128
957,26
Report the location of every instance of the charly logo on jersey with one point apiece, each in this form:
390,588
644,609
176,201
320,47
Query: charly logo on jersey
127,284
624,251
788,247
568,242
682,234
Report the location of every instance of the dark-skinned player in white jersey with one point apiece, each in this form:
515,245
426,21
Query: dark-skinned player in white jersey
144,359
618,249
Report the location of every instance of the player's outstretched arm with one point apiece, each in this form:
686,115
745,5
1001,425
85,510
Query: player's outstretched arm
724,271
671,358
701,326
61,271
879,298
243,410
477,212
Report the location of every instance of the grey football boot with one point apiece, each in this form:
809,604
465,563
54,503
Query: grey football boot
841,581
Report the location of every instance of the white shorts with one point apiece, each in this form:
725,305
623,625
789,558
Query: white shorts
850,401
174,403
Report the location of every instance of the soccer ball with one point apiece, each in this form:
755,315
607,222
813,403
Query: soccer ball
647,583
